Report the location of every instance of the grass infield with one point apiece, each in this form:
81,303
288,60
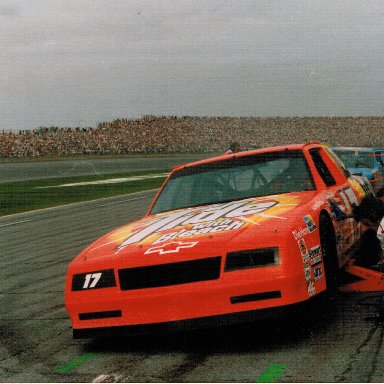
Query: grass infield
22,196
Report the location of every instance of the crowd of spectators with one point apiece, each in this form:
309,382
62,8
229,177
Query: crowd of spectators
164,134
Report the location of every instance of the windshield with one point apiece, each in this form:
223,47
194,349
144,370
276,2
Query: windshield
234,179
356,159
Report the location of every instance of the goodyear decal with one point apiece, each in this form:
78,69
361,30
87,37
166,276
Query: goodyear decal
206,220
315,252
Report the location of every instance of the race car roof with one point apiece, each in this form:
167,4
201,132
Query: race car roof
251,152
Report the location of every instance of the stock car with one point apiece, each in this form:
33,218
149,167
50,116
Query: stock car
224,237
363,161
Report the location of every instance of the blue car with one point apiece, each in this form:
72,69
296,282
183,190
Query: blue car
368,162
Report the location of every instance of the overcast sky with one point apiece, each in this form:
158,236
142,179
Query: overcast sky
76,63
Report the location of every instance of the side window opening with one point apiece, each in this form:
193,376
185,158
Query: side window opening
322,168
338,162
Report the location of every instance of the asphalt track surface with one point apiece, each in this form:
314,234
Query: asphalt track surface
17,171
333,341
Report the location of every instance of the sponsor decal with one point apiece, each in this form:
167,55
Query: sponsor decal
303,250
311,288
317,205
316,260
315,254
201,220
307,272
172,247
300,233
311,225
314,251
348,196
318,272
362,186
200,229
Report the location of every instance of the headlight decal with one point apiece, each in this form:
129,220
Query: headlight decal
93,280
252,258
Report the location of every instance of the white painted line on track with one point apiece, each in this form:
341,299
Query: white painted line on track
107,378
15,222
122,201
107,181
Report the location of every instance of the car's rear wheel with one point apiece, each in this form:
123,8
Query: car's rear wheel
328,246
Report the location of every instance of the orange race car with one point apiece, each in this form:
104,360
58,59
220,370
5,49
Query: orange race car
224,238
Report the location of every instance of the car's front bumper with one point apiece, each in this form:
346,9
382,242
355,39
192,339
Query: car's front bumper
235,295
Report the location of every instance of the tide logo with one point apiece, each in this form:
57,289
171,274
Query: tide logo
233,211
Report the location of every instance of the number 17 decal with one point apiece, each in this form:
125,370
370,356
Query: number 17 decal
95,277
348,196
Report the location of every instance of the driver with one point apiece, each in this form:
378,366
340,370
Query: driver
370,212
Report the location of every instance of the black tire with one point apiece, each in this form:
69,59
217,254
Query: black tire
328,247
380,193
368,251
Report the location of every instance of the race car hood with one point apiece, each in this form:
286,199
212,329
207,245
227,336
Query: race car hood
202,228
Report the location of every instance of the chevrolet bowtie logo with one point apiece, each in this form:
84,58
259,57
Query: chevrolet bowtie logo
172,247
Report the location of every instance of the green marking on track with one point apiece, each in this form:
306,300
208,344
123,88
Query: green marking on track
75,363
272,374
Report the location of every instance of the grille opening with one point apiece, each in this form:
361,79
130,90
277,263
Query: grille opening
255,297
170,274
99,315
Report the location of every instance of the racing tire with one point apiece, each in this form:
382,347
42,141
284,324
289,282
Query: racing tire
369,249
329,250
